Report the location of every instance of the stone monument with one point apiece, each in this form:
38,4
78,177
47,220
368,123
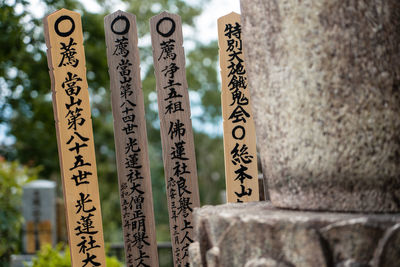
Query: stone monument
324,77
40,227
39,211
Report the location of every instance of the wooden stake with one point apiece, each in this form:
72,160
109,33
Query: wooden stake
66,60
176,131
131,140
241,173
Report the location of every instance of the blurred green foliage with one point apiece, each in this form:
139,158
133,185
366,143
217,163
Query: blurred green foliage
12,177
26,108
60,257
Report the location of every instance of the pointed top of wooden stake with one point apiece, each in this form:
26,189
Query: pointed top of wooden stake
62,11
231,15
163,15
119,12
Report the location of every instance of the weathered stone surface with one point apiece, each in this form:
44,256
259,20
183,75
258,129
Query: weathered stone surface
194,254
212,256
324,78
354,239
388,252
263,262
258,234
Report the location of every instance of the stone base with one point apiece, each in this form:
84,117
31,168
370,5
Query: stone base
25,260
257,234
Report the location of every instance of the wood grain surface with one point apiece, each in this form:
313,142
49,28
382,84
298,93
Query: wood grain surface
176,131
241,174
130,137
66,61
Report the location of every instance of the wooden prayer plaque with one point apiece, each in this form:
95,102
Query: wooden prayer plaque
131,140
66,60
176,131
241,173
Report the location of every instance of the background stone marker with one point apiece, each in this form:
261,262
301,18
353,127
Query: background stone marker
131,140
66,60
39,211
176,131
241,174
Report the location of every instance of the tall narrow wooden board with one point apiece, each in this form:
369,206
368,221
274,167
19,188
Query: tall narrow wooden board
131,140
241,173
176,131
66,60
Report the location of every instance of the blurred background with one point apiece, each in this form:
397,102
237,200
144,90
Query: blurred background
28,148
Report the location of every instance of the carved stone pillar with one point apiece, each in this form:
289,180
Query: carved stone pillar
324,78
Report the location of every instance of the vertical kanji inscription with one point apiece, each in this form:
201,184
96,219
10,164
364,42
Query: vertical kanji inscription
239,131
176,131
131,140
66,60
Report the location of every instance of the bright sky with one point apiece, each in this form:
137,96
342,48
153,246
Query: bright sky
211,13
208,19
207,28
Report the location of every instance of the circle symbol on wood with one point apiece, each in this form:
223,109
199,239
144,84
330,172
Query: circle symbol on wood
57,24
172,29
235,132
127,25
